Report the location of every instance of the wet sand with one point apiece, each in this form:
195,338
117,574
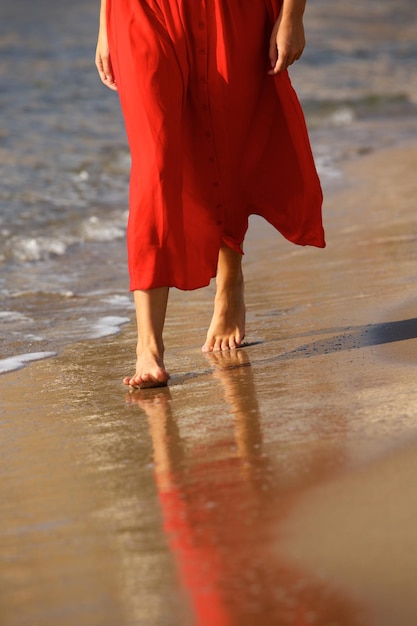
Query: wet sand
273,486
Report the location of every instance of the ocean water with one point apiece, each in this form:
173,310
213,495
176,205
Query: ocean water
64,163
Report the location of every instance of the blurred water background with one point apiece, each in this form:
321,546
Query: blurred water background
64,163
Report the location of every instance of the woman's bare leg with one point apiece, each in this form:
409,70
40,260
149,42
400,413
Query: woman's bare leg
151,306
227,328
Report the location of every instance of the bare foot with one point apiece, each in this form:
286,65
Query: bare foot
150,370
227,328
150,307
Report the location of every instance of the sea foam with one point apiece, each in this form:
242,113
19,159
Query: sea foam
18,361
109,325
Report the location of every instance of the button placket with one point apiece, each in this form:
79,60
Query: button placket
209,146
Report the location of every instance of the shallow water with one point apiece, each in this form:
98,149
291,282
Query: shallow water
64,162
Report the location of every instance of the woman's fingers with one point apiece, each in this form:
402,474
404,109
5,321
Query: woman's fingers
104,65
286,45
105,72
283,60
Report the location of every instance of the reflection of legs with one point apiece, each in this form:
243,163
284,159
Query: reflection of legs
227,328
167,446
235,373
151,308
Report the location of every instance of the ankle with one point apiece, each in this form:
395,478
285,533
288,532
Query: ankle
230,288
150,345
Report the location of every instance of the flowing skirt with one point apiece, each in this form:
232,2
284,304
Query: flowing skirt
213,137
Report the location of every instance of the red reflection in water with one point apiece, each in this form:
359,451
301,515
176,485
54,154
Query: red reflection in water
222,504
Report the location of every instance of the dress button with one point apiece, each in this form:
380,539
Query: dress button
202,51
201,25
219,206
208,134
219,222
205,107
216,184
211,159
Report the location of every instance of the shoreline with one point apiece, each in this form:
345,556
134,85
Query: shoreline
352,195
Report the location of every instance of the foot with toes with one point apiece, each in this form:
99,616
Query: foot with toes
227,328
150,371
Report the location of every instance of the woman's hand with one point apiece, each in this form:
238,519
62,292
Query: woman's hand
103,60
287,42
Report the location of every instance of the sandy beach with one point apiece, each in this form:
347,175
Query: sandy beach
274,485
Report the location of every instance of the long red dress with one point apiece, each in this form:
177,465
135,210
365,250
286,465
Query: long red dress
213,137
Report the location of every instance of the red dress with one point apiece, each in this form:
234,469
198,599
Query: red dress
213,137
